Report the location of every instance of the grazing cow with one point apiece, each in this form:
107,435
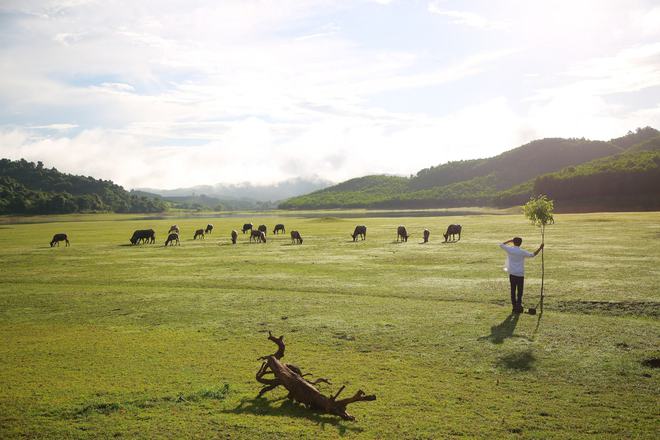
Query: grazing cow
426,235
360,230
247,227
258,236
453,230
143,235
209,229
263,229
172,238
402,234
296,238
199,233
174,228
234,236
279,227
57,238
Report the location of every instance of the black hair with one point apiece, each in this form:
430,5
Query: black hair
517,241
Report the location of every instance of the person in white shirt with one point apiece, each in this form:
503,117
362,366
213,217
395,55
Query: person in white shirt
515,265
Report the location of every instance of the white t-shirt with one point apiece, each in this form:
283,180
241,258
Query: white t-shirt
515,262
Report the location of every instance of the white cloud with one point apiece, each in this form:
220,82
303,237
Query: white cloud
466,18
58,127
647,20
264,91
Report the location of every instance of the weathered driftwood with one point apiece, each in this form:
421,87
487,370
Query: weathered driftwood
300,389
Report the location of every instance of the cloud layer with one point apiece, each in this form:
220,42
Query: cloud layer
169,94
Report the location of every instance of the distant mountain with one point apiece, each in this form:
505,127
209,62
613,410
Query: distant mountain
503,180
29,188
246,191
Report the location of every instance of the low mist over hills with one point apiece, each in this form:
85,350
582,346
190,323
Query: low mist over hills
623,173
239,196
263,193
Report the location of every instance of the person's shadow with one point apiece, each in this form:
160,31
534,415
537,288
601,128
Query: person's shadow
504,330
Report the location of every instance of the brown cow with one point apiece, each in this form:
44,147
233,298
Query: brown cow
453,230
174,228
263,229
279,228
426,235
172,238
234,236
247,227
296,238
209,228
402,233
360,230
258,236
199,233
143,235
57,238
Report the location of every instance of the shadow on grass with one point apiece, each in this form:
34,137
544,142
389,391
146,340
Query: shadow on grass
504,330
521,361
538,320
261,406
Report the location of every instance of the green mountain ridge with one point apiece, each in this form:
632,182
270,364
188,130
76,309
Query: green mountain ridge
29,188
503,180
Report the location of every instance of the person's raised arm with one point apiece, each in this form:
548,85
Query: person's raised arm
539,249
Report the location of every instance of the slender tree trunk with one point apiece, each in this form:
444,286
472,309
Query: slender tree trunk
542,261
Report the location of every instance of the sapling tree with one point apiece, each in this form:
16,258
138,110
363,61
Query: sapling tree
539,211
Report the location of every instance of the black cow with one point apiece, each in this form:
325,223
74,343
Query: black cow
174,228
209,229
234,236
173,238
199,233
57,238
279,227
247,227
402,234
296,238
143,235
453,230
263,229
426,235
258,236
360,230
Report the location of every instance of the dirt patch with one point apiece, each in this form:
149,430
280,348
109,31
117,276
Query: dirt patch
616,308
651,362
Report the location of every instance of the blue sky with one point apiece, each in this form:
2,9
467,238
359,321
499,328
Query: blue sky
171,93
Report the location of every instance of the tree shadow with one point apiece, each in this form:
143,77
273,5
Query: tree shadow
504,330
521,361
538,320
261,406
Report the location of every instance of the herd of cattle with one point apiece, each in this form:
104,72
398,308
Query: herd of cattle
258,235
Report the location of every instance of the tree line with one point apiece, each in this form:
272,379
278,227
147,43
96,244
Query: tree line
29,188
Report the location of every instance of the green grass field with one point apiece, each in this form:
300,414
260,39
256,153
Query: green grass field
107,340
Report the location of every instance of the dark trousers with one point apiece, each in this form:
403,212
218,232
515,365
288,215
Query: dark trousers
517,284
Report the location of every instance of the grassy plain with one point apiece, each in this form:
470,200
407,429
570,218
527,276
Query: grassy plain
107,340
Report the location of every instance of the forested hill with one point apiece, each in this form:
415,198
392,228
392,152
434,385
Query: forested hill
504,180
29,188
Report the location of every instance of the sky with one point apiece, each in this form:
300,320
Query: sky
168,94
